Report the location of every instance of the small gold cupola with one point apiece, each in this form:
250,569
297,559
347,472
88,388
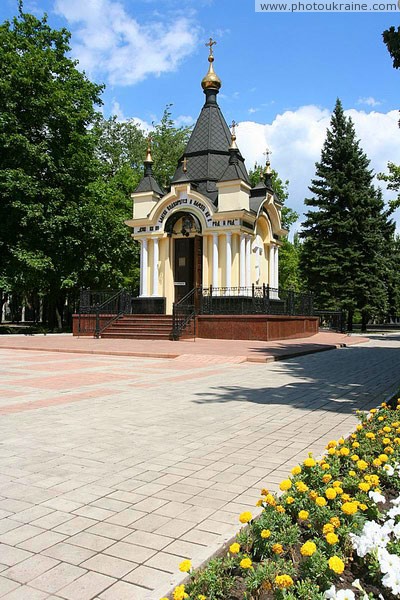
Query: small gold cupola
211,80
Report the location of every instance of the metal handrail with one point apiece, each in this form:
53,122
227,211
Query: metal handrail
183,313
122,299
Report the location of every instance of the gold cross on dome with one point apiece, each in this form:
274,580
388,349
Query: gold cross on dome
184,164
211,43
267,154
233,126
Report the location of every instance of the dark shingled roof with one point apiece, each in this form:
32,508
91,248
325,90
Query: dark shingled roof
148,183
207,150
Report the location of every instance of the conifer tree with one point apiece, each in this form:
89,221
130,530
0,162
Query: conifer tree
347,232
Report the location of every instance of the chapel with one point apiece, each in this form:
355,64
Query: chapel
211,229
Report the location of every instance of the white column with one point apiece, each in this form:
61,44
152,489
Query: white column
242,263
271,267
276,267
155,266
248,262
215,261
143,267
228,266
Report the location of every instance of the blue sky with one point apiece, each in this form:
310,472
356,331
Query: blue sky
281,72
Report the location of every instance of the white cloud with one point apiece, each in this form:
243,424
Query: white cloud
183,121
112,44
296,138
370,101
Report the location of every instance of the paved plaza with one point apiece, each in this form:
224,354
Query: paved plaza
115,468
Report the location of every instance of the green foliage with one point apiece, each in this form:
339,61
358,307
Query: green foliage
215,581
391,37
305,590
393,183
347,232
168,144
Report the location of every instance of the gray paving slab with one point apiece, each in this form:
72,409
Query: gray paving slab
106,484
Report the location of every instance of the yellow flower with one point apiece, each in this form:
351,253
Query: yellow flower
352,473
335,521
301,486
331,538
349,508
355,458
370,435
179,593
280,509
313,495
303,515
269,499
364,486
359,427
336,564
362,507
326,478
259,502
397,441
245,517
285,485
265,534
362,465
201,597
386,441
325,467
296,470
340,441
346,497
387,429
246,563
337,484
388,450
264,492
234,548
330,493
308,549
380,418
320,501
355,445
289,500
332,444
377,462
277,548
309,462
283,581
331,451
345,451
328,528
185,566
383,458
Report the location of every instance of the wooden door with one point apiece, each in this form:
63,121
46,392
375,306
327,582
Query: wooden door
183,267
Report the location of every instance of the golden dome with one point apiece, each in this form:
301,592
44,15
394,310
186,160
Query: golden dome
211,80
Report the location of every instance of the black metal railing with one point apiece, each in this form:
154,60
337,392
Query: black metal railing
255,300
184,313
93,319
331,319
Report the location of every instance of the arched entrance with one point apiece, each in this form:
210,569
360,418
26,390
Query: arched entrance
185,230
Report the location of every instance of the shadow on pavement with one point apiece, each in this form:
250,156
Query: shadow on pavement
344,380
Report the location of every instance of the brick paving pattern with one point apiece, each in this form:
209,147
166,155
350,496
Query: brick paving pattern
115,468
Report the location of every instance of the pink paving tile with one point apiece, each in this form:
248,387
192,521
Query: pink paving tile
47,402
57,382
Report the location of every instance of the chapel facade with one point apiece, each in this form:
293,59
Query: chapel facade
211,229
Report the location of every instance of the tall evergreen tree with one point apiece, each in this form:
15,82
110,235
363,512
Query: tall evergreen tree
347,231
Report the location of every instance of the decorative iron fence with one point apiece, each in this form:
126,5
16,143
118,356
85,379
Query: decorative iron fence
93,319
255,300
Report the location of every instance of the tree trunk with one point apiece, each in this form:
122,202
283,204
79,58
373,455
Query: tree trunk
350,315
364,321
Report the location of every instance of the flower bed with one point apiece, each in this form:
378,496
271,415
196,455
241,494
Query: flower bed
334,532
